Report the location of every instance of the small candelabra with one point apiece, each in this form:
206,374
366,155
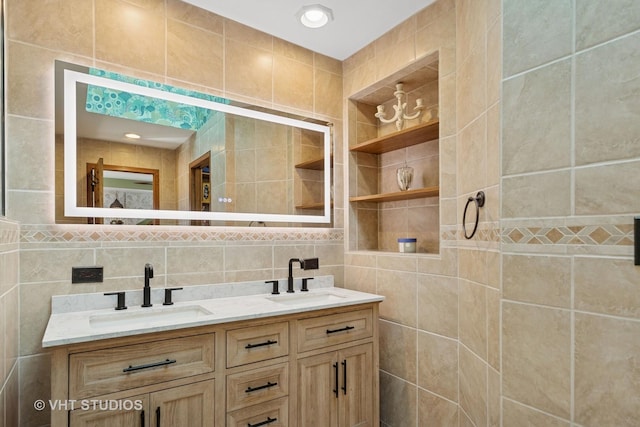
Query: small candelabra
400,108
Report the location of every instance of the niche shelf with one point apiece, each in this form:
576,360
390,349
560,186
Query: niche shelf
405,138
395,141
318,205
315,164
377,220
399,195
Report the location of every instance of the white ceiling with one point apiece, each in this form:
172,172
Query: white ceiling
356,22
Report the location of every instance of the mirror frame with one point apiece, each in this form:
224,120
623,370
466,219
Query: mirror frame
71,208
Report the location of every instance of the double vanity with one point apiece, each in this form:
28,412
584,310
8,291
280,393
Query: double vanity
218,355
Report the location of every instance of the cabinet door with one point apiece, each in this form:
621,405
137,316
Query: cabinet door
318,391
355,405
132,412
189,405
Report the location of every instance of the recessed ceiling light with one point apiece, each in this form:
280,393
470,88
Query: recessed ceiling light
132,135
315,15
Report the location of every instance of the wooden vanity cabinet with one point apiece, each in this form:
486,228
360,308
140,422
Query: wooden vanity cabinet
317,368
164,381
188,405
338,387
122,416
258,381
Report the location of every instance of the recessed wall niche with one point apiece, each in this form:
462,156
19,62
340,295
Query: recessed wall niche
380,212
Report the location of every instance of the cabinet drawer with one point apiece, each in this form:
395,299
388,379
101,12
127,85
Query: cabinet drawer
269,414
103,371
257,386
318,332
256,343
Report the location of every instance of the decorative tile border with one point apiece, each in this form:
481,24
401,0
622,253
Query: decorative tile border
600,235
488,232
590,234
58,235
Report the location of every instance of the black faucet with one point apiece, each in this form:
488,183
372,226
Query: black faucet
146,291
305,264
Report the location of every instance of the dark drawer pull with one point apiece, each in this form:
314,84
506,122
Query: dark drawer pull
149,365
261,344
269,420
344,376
269,384
335,390
346,328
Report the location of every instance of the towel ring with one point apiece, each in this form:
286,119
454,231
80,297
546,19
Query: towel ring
479,199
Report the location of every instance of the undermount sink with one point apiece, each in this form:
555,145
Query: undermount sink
152,315
306,298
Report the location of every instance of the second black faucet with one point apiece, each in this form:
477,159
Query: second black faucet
146,291
305,264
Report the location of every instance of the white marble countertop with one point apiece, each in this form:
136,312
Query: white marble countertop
90,317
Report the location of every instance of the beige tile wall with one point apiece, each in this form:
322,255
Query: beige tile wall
570,317
565,256
161,40
9,322
477,159
440,334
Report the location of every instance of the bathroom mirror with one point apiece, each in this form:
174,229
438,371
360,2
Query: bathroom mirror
216,162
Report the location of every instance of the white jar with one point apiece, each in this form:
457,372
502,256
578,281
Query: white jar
407,244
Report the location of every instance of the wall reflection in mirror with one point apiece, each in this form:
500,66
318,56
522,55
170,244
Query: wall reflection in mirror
140,152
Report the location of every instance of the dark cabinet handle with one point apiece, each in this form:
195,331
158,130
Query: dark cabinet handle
346,328
149,365
158,416
269,384
335,367
344,376
269,420
142,418
262,344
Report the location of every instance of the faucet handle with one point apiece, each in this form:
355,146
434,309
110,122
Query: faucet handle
304,284
275,290
121,304
167,295
148,269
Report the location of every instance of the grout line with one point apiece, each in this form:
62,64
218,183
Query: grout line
436,394
603,163
537,67
166,43
534,409
569,55
540,172
572,350
94,43
572,310
572,118
608,316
